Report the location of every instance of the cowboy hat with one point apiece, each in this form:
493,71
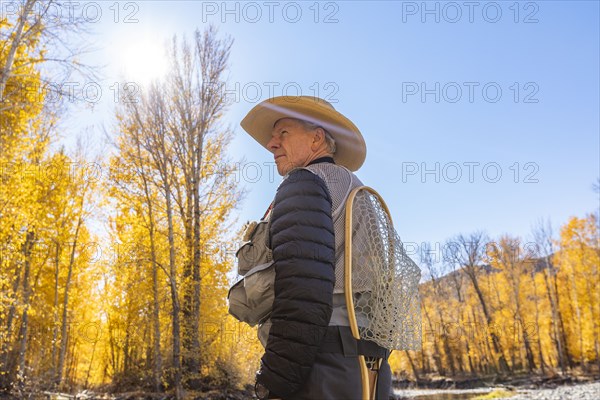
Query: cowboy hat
351,149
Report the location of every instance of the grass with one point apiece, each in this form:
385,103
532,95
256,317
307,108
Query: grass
497,394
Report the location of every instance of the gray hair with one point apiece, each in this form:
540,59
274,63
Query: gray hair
329,140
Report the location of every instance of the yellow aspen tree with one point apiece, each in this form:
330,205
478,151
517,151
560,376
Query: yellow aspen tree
578,260
169,174
507,256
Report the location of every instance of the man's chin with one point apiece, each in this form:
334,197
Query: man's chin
283,169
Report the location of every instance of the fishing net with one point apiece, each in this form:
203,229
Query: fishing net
384,278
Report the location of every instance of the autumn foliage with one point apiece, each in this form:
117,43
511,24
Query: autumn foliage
144,305
508,306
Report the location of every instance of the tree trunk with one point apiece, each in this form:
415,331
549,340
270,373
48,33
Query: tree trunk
537,325
157,357
515,280
528,351
469,358
56,317
196,279
468,252
592,293
437,356
562,325
502,364
577,309
6,362
27,250
16,41
64,336
557,337
412,365
447,349
87,376
174,295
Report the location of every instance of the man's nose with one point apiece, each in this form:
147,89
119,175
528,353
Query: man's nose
273,144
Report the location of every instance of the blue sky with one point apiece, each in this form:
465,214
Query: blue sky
498,100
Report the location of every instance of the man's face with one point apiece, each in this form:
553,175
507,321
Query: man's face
291,145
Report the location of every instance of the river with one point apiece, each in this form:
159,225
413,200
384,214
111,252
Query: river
440,394
576,391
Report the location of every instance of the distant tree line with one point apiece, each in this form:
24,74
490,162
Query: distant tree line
507,306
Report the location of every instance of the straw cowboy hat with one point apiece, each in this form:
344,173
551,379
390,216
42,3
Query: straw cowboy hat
351,149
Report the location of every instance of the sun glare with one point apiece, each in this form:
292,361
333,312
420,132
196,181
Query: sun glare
143,60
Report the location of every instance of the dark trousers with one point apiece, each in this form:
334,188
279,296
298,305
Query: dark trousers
336,372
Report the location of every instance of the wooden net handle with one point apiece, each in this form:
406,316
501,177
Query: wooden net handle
364,373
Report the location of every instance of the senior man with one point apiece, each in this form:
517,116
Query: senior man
310,352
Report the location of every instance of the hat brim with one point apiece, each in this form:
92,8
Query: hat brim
351,149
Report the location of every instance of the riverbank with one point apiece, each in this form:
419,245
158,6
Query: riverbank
524,381
584,391
245,394
574,390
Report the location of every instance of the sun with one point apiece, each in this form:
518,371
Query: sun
142,60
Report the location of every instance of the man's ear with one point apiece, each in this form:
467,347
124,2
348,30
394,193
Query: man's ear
318,138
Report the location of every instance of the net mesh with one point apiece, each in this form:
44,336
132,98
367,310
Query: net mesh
384,278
